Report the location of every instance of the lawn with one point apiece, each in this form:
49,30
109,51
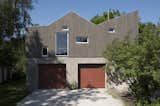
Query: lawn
12,92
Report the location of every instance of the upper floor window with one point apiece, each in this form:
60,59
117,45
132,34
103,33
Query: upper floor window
65,28
61,43
111,30
44,51
82,39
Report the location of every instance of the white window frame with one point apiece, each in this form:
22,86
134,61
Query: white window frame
42,52
65,29
67,46
82,42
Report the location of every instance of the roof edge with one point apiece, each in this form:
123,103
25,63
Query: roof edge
70,12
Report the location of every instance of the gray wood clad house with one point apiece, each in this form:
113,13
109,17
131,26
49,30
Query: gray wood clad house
70,50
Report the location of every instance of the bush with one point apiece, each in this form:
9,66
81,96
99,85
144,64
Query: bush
144,88
146,103
138,62
73,85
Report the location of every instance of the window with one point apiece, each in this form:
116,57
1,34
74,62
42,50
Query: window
65,28
111,30
61,43
44,52
82,39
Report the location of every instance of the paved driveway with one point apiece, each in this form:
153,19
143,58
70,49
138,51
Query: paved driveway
79,97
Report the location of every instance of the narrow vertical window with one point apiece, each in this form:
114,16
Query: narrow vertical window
61,43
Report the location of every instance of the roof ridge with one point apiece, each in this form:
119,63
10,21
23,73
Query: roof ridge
71,12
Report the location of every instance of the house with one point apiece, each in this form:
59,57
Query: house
70,50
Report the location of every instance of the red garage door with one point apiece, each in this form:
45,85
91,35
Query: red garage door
91,76
52,76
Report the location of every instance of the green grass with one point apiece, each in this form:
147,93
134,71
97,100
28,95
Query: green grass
12,92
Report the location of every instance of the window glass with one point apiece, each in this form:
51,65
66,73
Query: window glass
44,51
80,39
65,28
61,43
111,30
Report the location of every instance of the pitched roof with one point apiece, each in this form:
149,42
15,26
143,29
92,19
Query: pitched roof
71,14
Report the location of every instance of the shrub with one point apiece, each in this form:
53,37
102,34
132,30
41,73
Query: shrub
73,85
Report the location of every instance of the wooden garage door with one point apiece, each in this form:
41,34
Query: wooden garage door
52,76
91,76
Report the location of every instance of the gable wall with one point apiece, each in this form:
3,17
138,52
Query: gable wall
98,36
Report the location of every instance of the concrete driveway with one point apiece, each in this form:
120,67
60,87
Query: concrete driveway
79,97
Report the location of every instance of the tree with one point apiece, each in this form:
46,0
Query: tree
14,18
112,14
98,19
138,62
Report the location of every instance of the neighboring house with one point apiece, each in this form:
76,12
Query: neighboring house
70,51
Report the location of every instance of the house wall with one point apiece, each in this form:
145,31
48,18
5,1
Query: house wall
98,35
71,68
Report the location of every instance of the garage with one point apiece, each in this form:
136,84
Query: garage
52,76
91,76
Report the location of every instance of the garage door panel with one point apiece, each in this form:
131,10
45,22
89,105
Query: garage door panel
91,76
52,76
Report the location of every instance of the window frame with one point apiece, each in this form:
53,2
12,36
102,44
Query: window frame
42,51
56,46
82,42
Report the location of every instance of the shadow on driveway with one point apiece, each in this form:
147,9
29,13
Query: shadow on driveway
61,97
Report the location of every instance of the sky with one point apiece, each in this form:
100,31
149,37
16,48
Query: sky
48,11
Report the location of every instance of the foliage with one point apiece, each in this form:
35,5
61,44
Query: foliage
138,62
12,92
145,103
19,66
7,54
73,86
112,14
14,18
98,19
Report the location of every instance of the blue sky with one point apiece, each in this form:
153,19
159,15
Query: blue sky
47,11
